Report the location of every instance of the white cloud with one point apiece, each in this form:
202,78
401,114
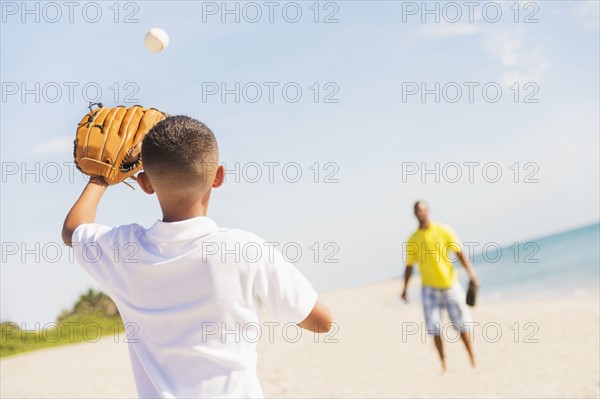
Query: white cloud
62,144
503,48
520,61
524,75
586,14
440,31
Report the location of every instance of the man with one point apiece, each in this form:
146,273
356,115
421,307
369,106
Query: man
430,246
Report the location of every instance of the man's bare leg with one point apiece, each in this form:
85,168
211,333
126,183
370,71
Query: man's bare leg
440,348
466,338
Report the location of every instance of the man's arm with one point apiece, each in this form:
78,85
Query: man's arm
407,276
84,210
464,260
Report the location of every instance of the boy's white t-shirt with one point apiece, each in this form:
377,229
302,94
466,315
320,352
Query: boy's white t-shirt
191,295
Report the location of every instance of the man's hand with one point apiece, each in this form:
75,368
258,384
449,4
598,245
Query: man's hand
404,296
468,267
407,274
471,274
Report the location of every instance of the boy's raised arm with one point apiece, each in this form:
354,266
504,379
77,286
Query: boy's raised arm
84,210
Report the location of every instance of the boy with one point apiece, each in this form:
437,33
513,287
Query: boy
194,304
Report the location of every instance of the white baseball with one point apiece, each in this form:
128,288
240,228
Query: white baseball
156,40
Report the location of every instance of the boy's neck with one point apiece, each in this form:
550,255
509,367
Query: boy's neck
183,210
180,216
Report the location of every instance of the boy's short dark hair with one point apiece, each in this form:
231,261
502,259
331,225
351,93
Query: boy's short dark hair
180,149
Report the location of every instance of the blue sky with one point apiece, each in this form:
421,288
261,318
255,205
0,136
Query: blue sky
369,137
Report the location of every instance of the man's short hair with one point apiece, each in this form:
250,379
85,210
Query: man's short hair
180,150
418,203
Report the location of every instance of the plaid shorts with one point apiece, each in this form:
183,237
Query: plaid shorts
453,299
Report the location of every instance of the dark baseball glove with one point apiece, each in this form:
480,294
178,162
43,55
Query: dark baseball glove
472,293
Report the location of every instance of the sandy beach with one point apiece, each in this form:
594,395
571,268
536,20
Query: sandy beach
376,350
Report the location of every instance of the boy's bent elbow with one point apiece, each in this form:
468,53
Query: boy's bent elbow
67,234
325,327
66,237
319,320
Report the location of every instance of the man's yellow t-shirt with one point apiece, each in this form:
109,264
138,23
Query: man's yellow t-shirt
431,248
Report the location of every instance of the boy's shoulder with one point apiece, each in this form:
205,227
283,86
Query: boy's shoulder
101,229
238,235
136,231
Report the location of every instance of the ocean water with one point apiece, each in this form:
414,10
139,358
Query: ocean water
566,264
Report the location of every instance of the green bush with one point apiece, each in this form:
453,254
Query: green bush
93,317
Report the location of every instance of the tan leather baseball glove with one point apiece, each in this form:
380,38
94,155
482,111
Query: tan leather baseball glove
108,140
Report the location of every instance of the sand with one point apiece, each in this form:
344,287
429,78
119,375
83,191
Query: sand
371,353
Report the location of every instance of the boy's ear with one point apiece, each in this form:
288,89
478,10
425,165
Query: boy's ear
219,177
142,179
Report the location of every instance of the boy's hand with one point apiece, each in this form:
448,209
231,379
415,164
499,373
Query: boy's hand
113,149
98,180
